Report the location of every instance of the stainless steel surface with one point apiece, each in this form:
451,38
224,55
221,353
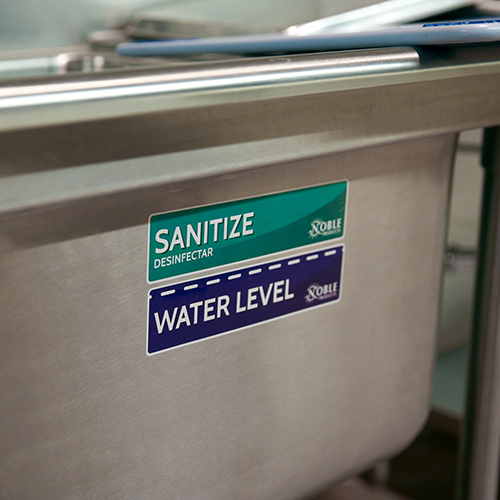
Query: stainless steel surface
358,489
481,437
463,234
59,101
202,18
56,23
378,15
488,7
277,411
270,81
227,17
107,39
456,261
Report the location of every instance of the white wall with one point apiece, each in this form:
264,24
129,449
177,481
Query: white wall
46,23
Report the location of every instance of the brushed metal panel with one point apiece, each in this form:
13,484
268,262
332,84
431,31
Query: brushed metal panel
385,91
272,412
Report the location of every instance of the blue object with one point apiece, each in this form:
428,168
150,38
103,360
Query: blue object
443,33
199,309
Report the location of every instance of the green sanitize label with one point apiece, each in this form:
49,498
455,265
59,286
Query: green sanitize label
210,236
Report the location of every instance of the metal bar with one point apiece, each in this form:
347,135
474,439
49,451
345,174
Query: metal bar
473,75
481,435
138,92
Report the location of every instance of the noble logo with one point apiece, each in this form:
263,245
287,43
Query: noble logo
206,237
319,227
322,292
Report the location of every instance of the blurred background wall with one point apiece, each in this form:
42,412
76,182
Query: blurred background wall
48,23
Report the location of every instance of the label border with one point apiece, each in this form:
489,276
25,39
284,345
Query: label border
251,258
330,302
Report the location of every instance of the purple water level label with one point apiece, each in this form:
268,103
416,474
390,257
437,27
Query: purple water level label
198,309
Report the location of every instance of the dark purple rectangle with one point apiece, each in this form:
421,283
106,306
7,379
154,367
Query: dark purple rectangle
197,309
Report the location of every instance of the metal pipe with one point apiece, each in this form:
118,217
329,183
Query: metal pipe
481,434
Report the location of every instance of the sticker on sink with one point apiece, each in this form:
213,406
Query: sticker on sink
199,309
211,236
